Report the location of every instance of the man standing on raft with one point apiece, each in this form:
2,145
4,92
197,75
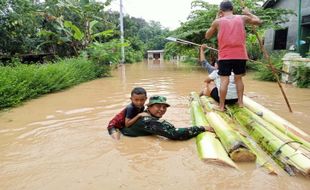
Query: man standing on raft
232,47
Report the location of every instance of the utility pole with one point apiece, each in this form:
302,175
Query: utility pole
122,31
299,27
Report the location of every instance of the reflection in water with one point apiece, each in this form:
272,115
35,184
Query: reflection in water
122,69
60,141
155,62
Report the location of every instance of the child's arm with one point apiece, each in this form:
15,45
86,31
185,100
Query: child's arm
208,80
129,122
202,56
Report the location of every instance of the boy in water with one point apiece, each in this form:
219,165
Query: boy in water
152,124
130,114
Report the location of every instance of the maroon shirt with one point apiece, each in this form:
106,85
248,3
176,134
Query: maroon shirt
129,112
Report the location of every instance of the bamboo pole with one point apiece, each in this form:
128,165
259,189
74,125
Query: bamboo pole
295,143
285,155
181,41
281,124
233,144
262,159
209,147
271,66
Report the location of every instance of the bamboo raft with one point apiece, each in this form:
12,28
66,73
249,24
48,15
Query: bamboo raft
250,134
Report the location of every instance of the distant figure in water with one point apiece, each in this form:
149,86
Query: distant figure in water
153,125
130,114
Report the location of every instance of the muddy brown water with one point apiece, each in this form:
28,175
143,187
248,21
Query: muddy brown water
59,141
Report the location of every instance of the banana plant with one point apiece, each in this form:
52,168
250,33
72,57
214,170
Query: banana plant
71,24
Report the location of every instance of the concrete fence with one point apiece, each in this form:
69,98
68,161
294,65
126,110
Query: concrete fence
291,61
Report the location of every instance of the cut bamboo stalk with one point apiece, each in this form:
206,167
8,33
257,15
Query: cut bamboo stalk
297,145
281,124
211,150
262,159
233,144
286,156
209,147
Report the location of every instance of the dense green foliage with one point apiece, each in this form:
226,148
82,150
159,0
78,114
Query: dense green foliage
22,82
264,72
203,15
142,36
61,27
67,27
82,28
18,26
302,76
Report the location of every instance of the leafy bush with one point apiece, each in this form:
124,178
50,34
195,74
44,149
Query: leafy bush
133,56
104,53
253,48
23,82
264,71
302,76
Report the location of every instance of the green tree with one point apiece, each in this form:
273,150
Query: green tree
71,25
18,26
204,13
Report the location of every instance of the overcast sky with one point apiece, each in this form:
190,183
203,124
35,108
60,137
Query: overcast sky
168,12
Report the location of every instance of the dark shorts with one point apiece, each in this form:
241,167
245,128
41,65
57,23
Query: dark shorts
215,95
227,66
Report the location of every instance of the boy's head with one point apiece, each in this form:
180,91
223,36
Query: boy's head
138,97
226,6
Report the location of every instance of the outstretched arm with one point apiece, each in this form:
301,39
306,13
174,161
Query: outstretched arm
250,18
212,30
166,129
202,56
214,26
203,61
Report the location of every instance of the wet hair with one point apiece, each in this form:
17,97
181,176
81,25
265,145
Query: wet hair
138,90
226,6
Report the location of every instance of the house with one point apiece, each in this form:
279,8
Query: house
155,54
287,37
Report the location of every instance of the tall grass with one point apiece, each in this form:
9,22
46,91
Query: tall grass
22,82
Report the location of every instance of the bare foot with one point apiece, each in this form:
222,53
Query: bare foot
218,108
240,105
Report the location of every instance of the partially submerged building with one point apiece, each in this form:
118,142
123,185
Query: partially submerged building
287,37
155,54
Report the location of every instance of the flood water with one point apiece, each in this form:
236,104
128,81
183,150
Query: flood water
60,141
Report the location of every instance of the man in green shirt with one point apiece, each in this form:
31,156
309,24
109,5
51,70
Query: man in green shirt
153,125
